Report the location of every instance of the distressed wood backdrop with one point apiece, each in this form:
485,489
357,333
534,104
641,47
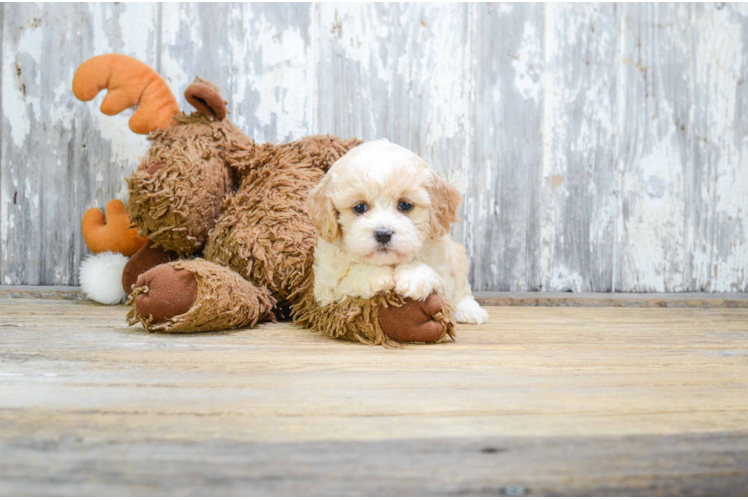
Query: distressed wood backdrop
599,147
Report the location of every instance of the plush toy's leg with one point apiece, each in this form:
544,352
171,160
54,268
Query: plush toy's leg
196,296
144,259
382,320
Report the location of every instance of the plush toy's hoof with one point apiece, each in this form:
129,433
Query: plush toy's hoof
196,296
101,277
413,321
168,292
144,259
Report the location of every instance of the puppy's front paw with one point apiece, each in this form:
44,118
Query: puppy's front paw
382,283
365,281
468,311
418,281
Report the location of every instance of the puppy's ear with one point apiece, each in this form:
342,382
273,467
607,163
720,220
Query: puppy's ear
322,211
445,199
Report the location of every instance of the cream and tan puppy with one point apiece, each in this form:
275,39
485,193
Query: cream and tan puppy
383,217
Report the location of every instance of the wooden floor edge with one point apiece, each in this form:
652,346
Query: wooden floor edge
526,299
42,292
704,300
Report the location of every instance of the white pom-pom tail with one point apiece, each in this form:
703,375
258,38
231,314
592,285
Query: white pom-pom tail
101,277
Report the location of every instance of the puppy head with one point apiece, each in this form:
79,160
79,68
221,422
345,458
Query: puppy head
382,202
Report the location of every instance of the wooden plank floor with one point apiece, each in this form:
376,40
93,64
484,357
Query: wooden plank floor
539,401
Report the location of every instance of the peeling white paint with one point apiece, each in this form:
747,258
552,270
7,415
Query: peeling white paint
281,84
180,25
720,251
17,101
564,279
506,8
527,74
654,236
448,109
554,127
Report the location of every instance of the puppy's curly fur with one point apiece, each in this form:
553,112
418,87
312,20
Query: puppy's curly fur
383,217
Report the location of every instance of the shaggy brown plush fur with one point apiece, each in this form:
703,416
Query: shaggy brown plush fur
265,233
224,300
176,193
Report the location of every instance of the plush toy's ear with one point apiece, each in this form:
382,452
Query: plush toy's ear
130,83
322,211
445,199
206,99
111,233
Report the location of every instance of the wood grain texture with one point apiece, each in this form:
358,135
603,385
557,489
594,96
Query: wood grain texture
576,196
654,151
599,147
538,401
719,243
260,55
501,200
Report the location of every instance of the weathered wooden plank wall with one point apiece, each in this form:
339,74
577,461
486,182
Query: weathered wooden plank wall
599,147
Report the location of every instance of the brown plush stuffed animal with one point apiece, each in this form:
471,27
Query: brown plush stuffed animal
204,188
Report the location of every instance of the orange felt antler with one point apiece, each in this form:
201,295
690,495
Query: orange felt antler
130,82
112,233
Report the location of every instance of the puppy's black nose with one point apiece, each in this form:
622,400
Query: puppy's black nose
383,235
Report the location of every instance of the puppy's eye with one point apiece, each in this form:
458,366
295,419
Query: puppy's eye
361,209
404,206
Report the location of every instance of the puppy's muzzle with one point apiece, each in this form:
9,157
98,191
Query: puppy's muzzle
383,236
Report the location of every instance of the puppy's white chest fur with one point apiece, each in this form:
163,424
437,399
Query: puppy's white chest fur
338,275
